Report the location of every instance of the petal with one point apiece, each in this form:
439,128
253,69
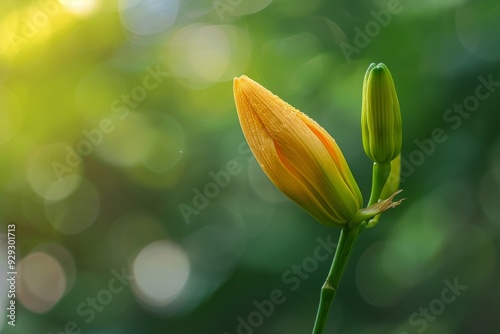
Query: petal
297,154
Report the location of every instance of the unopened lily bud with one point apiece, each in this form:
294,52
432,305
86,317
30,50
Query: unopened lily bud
380,115
297,154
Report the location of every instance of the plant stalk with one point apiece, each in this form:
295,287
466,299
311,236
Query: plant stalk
347,240
379,178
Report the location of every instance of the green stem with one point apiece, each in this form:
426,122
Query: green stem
347,240
380,175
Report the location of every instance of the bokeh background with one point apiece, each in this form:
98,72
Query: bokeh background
118,132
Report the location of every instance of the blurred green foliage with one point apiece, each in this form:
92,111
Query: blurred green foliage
121,150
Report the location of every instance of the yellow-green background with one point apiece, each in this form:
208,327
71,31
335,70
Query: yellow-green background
119,207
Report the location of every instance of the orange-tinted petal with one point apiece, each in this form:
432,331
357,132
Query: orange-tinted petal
297,154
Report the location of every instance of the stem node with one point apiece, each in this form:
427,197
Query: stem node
347,240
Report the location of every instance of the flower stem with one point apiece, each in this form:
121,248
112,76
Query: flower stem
380,175
347,240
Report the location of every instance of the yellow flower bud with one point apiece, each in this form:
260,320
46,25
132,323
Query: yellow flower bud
380,115
297,154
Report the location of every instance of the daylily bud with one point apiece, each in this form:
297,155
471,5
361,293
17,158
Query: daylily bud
297,154
380,115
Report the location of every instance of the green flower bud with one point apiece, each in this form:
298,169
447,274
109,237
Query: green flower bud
380,115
